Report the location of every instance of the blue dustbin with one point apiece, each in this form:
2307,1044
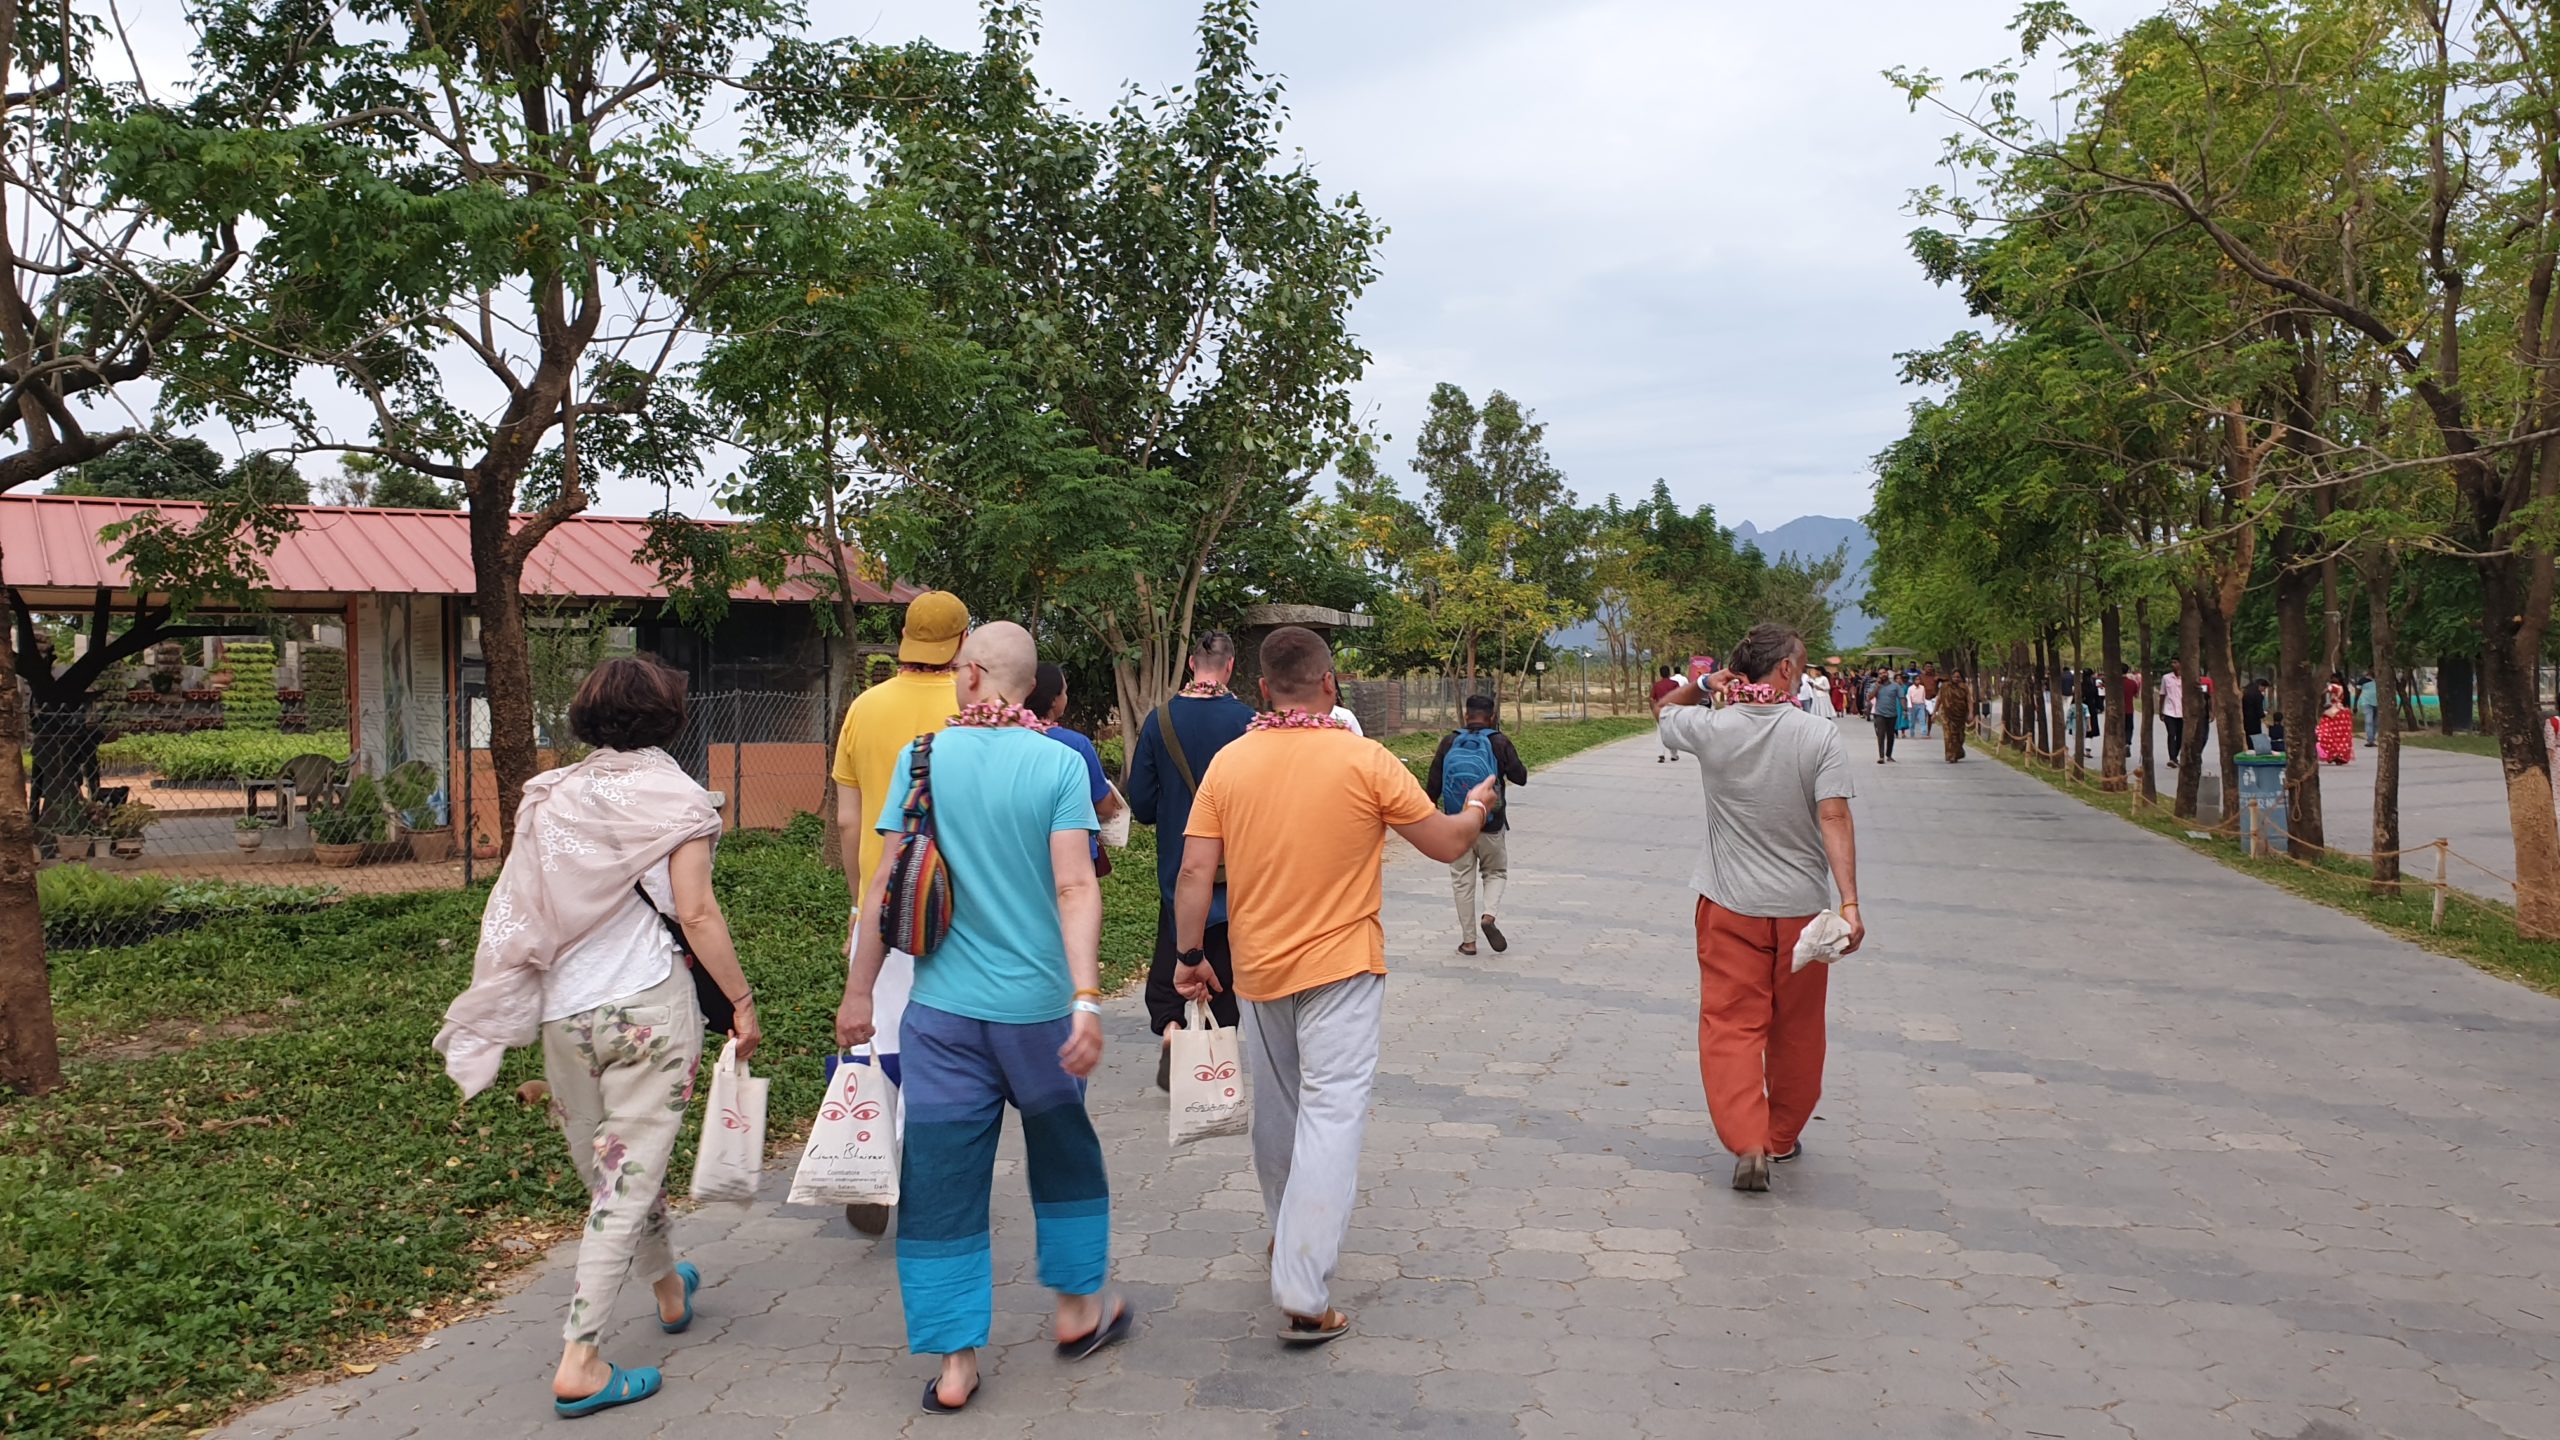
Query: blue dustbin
2262,780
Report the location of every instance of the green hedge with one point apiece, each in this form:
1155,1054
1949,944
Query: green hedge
219,754
250,703
324,687
84,908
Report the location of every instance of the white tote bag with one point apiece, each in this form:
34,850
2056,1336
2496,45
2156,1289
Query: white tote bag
1208,1078
1115,831
852,1156
731,1157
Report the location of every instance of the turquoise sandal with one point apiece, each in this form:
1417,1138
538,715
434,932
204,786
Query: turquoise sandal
692,1281
622,1388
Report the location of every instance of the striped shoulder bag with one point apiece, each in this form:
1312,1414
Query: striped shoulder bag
916,912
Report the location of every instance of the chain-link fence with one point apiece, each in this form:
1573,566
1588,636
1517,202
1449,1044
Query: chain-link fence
141,831
1570,688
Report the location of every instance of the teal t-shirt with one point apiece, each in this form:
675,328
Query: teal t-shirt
998,794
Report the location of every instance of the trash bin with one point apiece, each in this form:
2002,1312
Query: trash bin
2262,782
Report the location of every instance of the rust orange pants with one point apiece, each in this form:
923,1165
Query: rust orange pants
1760,1029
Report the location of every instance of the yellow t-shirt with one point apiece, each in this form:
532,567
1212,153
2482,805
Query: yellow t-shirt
883,719
1304,815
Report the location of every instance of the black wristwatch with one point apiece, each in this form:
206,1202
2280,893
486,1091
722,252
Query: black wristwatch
1195,956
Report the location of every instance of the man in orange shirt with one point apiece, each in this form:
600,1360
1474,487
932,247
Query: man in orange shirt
1298,808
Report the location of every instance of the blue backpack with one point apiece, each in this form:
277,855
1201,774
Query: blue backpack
1468,764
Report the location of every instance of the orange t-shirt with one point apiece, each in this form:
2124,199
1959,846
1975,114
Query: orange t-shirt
1303,815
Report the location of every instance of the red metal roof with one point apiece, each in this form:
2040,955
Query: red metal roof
50,543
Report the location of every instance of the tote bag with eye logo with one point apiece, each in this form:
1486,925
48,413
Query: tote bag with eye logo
730,1159
1208,1079
852,1154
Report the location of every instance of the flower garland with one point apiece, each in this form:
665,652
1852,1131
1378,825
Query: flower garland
1752,692
1203,690
985,716
1294,720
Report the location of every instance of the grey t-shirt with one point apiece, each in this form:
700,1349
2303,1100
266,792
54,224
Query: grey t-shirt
1765,769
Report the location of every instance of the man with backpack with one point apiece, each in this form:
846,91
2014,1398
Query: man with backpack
1175,744
1468,757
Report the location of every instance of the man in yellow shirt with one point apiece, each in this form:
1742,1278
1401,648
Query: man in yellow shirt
1298,808
884,720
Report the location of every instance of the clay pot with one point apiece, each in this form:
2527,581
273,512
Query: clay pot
337,857
433,846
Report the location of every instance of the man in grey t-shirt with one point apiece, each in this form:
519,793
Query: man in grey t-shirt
1778,838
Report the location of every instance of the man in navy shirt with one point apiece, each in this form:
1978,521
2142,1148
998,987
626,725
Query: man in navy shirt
1175,745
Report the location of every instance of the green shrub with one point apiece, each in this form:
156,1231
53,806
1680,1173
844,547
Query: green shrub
84,907
324,687
358,820
219,754
250,703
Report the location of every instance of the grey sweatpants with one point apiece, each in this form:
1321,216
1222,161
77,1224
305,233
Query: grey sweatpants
1314,1056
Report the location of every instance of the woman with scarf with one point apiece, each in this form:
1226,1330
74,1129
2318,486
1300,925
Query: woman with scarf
578,949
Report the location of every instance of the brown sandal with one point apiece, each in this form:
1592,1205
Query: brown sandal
1315,1330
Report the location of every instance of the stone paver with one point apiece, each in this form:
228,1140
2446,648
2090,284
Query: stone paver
2118,1143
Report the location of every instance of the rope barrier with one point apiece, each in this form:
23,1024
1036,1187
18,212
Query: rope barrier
2261,848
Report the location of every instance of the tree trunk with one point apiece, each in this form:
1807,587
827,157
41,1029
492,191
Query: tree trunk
2514,634
2150,705
498,601
2453,694
30,1052
2112,700
2191,704
2386,754
2052,708
2300,687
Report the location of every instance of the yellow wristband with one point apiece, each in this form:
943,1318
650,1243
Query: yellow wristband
1081,994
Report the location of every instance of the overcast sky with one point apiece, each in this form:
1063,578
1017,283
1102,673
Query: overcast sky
1673,228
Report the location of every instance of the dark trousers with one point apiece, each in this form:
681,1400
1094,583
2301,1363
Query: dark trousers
2177,725
1164,1003
1885,728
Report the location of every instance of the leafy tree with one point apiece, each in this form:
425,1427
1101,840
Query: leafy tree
94,293
371,480
453,199
155,466
1166,301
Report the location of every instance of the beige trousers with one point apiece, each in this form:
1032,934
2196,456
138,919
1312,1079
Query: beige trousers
621,1076
1488,861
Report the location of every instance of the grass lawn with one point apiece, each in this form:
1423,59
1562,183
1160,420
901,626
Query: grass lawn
2468,742
257,1166
2477,931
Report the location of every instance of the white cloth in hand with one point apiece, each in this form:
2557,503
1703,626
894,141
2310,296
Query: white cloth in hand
1823,939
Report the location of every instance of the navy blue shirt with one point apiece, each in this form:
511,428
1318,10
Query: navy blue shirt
1157,795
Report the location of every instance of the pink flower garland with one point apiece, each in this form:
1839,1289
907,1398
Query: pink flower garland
985,716
1294,720
1751,692
1202,690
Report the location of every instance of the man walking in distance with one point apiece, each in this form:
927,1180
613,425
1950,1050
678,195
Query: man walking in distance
1298,810
1885,704
1465,757
1175,744
884,719
1007,1010
1778,838
1663,685
2173,709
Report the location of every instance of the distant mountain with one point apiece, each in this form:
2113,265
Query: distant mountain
1814,537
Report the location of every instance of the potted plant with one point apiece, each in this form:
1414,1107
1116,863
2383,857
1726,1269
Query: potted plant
418,810
78,834
125,826
341,832
248,832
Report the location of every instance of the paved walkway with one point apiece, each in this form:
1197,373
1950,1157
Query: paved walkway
2119,1143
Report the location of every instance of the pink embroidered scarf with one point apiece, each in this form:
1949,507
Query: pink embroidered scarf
584,835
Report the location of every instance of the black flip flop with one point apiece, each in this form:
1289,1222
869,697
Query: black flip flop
1493,935
1110,1332
1790,1157
933,1396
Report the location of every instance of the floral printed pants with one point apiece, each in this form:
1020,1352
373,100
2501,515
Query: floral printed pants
621,1076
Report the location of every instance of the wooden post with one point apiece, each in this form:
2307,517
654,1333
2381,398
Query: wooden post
2438,922
2257,846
